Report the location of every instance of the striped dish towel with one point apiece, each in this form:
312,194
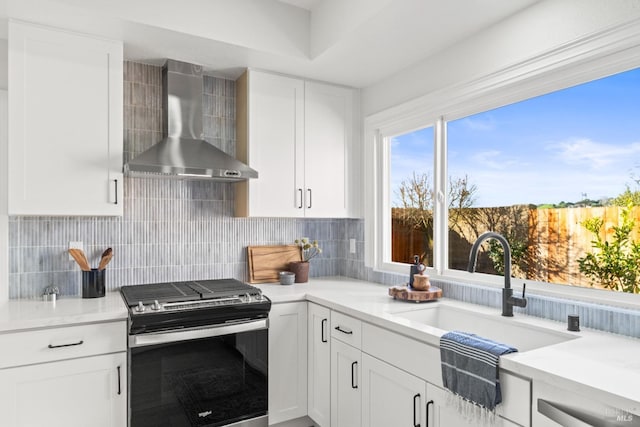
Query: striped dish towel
470,367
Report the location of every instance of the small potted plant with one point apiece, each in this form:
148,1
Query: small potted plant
310,250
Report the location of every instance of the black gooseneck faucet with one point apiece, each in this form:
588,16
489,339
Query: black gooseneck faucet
508,300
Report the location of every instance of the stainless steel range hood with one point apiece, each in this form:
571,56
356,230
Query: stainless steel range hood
183,154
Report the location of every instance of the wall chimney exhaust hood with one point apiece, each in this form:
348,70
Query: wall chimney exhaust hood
183,154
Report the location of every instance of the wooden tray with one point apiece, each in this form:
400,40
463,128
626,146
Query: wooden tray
265,262
407,294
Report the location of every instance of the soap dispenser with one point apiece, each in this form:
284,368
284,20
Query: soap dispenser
415,269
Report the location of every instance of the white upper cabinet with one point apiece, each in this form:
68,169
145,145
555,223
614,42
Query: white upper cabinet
327,134
65,123
300,138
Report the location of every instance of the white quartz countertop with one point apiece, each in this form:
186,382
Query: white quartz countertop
594,362
30,314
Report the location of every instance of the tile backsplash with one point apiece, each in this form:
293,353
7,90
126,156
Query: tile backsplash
170,230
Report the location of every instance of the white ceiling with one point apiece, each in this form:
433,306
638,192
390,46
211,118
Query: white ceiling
351,42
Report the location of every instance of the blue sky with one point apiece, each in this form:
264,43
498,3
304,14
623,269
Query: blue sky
556,147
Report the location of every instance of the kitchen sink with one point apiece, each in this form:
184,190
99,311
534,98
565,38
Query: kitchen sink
510,331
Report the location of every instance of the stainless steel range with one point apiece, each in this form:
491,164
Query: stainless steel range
198,354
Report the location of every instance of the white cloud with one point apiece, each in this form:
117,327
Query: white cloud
592,154
483,124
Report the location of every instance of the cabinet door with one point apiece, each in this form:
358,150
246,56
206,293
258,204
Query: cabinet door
319,387
328,133
443,415
287,362
390,396
275,139
346,387
71,393
65,110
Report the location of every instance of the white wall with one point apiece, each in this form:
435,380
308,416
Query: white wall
544,26
4,61
4,219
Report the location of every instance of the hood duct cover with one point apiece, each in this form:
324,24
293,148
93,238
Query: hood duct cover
183,154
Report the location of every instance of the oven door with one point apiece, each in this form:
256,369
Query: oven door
202,377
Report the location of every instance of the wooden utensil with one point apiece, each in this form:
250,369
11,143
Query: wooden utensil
105,259
80,258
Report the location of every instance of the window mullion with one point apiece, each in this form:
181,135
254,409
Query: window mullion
440,212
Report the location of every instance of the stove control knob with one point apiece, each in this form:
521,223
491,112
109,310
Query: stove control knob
156,306
247,298
140,308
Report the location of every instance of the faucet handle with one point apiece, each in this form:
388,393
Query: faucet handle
519,302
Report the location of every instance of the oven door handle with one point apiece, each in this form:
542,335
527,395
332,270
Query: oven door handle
155,338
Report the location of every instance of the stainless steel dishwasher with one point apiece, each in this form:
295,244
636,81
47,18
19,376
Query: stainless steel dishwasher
559,405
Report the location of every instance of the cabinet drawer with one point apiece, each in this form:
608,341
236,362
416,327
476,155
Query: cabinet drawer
346,329
415,357
47,345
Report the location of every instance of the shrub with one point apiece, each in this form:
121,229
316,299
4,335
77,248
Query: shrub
613,264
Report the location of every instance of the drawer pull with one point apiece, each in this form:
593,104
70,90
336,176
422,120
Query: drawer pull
119,383
416,397
354,367
67,345
344,331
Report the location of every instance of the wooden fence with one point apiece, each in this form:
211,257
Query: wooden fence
555,239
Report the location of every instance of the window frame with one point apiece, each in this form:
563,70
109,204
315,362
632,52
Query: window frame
596,56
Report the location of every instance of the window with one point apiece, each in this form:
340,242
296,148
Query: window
411,182
537,171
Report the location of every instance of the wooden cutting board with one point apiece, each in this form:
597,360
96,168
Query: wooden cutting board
407,294
265,262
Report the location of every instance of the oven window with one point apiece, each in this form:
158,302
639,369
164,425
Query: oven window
207,382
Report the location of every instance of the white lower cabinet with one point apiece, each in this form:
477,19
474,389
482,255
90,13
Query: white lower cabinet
71,393
319,357
346,401
443,415
287,362
391,396
59,378
374,377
